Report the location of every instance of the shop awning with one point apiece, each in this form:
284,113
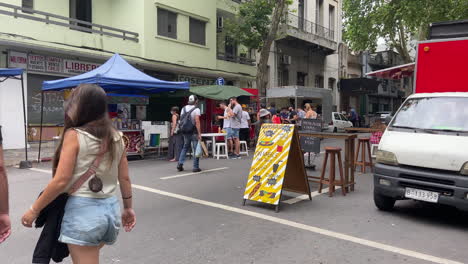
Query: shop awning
359,86
394,73
219,92
254,92
10,72
118,76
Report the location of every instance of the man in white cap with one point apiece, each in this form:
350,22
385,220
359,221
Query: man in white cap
190,127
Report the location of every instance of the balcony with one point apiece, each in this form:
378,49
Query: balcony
66,22
236,59
315,35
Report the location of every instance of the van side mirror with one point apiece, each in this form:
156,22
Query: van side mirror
388,119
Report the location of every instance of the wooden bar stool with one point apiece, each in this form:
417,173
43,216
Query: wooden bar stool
363,146
331,181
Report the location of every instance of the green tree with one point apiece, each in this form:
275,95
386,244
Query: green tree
396,21
256,27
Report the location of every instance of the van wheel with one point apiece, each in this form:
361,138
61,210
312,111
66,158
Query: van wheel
335,129
384,203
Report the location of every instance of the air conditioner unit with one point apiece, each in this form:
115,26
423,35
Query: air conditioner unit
285,59
220,23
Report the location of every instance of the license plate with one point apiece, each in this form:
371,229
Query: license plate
422,195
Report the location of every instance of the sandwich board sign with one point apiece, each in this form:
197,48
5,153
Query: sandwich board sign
278,164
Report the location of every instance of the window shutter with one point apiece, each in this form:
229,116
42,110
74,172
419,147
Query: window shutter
27,4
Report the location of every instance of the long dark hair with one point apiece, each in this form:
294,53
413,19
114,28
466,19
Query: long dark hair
86,109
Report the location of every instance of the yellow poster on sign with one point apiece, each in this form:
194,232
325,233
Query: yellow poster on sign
266,176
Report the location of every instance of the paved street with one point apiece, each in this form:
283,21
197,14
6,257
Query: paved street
199,218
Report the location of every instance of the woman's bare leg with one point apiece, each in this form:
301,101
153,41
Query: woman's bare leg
84,254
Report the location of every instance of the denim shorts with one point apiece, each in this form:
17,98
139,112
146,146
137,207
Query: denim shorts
90,221
232,133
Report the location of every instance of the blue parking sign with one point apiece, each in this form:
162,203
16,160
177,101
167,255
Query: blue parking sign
220,81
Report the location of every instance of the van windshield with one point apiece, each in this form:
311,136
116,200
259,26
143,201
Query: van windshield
434,113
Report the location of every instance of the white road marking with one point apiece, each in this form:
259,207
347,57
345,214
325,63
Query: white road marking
193,173
325,232
309,228
306,197
41,170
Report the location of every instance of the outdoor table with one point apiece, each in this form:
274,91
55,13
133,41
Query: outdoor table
363,129
213,136
349,153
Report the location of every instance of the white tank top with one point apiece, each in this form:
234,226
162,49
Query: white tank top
108,172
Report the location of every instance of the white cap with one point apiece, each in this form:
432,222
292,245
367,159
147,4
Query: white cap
192,99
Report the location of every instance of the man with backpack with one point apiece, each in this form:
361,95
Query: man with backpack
189,126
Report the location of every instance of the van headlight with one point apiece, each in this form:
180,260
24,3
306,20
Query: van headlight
386,157
464,170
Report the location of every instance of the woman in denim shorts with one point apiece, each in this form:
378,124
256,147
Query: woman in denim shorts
91,219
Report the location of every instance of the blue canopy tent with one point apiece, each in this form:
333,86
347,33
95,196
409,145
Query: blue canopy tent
17,74
115,76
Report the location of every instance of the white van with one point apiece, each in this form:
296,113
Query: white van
423,154
339,122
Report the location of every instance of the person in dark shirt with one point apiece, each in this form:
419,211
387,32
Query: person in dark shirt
292,115
272,108
5,224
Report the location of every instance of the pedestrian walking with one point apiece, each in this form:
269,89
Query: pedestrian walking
176,141
353,116
245,126
262,106
310,113
189,126
236,117
5,224
90,146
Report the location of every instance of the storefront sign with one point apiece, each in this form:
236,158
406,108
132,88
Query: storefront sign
17,60
54,64
78,67
36,63
278,164
41,63
196,81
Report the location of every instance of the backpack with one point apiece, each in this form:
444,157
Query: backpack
186,126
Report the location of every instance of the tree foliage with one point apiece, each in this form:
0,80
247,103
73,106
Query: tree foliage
396,21
256,27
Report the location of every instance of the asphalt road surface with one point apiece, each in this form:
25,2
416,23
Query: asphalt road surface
199,218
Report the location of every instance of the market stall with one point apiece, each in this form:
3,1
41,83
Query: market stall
9,99
214,94
115,76
127,112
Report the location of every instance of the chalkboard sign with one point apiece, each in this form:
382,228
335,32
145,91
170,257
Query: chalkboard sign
310,144
53,102
311,125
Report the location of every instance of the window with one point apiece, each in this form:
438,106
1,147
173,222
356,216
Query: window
331,17
319,12
337,116
27,4
301,77
284,77
197,31
81,10
385,85
167,23
318,81
331,83
344,118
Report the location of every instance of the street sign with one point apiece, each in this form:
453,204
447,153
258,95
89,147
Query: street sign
220,81
278,164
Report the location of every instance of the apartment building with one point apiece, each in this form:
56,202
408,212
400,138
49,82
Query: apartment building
174,40
304,64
